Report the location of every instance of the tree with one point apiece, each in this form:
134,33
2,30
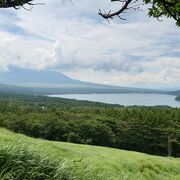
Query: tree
14,3
158,8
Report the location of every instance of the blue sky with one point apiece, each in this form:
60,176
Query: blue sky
72,38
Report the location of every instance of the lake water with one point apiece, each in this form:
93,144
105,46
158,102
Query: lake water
126,99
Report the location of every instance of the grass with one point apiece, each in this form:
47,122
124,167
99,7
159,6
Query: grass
22,157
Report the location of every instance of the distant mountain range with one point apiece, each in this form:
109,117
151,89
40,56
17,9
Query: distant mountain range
24,76
176,92
19,80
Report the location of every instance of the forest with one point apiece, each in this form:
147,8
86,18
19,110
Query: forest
152,130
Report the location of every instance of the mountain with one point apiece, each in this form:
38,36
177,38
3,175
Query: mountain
22,76
176,92
51,82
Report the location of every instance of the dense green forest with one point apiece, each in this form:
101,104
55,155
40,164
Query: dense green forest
153,130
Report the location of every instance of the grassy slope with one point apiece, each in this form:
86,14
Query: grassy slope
91,162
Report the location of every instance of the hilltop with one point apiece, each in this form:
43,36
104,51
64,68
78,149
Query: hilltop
22,156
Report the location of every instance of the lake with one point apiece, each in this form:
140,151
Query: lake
126,99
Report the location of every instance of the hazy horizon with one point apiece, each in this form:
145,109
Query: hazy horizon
27,73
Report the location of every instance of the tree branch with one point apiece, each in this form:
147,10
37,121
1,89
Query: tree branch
168,10
117,13
13,3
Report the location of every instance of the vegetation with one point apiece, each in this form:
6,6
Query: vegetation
19,162
153,130
22,157
158,8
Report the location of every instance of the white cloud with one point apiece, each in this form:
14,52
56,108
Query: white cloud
75,40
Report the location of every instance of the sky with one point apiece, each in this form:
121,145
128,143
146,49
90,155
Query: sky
71,38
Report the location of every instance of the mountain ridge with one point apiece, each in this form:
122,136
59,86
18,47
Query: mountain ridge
53,82
23,75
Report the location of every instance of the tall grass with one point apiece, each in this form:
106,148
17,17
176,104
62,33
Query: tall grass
20,162
24,158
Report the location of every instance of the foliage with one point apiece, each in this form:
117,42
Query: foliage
168,8
145,129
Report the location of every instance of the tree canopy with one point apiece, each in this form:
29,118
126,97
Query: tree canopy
157,8
153,130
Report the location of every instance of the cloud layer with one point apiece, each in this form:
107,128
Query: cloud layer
73,39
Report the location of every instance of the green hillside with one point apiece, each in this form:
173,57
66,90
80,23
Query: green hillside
22,157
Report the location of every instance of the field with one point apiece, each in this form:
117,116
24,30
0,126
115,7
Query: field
23,157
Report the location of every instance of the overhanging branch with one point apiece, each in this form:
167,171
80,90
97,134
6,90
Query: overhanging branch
117,13
16,3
